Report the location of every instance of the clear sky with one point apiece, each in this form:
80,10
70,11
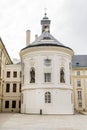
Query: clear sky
68,23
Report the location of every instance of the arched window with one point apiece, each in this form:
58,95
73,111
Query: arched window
62,80
47,97
32,75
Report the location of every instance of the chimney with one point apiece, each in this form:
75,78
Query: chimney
36,36
28,37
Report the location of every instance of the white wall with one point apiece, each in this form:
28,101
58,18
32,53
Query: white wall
35,100
33,93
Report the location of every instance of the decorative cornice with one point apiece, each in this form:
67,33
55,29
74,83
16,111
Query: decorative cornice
47,88
46,48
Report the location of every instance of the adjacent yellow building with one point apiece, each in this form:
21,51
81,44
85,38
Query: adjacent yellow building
79,81
4,60
10,82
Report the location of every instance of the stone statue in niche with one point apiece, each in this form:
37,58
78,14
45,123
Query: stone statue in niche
32,75
62,80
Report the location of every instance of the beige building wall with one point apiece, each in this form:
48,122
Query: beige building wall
4,59
12,88
79,78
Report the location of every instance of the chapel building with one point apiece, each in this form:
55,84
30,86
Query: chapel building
46,75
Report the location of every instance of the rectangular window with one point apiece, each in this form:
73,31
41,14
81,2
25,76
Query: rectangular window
20,87
47,77
47,97
7,87
8,74
79,95
15,74
78,83
78,73
47,62
6,104
14,87
80,104
13,104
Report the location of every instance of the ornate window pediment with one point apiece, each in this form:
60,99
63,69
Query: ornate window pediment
47,62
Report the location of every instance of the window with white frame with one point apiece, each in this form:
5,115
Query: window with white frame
6,104
8,74
14,87
78,83
78,73
79,95
47,77
80,104
13,104
7,87
47,97
15,74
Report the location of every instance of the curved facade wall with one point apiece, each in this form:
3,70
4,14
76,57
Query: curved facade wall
47,93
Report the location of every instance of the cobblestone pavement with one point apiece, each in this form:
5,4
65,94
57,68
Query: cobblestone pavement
16,121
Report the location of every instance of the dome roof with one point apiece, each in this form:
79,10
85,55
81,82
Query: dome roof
46,39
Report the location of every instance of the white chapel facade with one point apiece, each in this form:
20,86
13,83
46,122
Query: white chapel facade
46,75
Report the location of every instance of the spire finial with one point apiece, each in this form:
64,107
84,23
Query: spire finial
45,11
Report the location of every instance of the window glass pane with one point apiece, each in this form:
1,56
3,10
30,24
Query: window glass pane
6,104
47,77
78,83
20,87
14,87
13,104
15,74
47,97
8,74
7,87
78,72
80,95
80,104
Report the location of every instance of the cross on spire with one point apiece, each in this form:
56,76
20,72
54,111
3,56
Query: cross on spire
45,11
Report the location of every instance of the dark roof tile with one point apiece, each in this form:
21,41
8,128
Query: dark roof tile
79,61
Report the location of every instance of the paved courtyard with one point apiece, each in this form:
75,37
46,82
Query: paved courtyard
42,122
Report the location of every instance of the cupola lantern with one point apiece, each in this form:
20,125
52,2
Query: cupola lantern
45,22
